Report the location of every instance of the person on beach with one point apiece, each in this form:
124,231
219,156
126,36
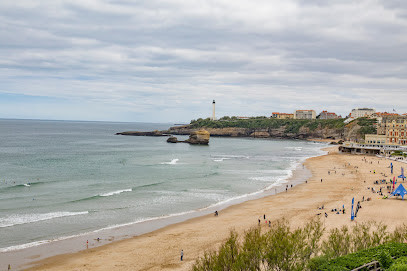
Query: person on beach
321,180
216,213
269,223
259,221
264,216
182,254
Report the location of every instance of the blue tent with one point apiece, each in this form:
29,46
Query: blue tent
400,191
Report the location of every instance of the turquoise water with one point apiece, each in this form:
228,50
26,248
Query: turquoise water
62,178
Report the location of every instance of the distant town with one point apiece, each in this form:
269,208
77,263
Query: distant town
391,127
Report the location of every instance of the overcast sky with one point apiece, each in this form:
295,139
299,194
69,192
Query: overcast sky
165,61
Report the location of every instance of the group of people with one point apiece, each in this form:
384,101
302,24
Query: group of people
267,222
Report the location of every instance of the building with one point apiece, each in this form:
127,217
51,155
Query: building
396,130
382,125
375,139
362,112
305,114
325,115
278,115
392,128
213,110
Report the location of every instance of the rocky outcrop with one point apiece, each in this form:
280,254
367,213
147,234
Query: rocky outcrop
285,131
172,139
136,133
260,134
200,137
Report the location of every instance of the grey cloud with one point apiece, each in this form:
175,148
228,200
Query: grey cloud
144,55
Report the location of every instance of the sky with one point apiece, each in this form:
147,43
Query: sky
165,61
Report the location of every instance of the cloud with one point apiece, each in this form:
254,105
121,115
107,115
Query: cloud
166,60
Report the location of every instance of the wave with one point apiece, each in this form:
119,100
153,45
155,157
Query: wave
294,148
18,186
31,218
229,156
221,159
115,192
147,185
173,162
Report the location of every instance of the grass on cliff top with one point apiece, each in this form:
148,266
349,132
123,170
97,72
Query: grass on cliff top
289,125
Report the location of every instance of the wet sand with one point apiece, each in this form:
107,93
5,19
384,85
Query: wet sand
160,249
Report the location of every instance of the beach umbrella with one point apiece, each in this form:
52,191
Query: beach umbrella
352,215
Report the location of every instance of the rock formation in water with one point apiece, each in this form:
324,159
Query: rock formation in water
172,139
200,137
137,133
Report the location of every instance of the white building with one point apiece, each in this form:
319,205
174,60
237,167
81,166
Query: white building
362,112
305,114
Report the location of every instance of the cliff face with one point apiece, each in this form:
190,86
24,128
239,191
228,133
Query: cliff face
303,133
264,128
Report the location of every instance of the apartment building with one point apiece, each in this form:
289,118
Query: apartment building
325,115
278,115
305,114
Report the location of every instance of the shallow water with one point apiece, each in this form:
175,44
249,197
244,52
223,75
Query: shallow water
61,178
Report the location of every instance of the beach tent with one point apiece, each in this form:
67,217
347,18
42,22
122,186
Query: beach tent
400,191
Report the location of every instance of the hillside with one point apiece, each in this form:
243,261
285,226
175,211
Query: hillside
263,127
279,128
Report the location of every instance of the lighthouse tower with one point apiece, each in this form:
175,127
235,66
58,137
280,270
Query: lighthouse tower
213,110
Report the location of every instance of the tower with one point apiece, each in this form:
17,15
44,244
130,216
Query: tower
213,110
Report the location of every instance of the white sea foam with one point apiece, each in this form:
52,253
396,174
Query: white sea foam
294,148
221,159
31,218
173,162
230,156
115,192
27,184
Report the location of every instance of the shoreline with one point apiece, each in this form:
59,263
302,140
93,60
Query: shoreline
27,257
159,250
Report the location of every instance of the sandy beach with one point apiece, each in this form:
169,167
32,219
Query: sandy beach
343,177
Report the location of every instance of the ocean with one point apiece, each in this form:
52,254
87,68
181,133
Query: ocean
61,179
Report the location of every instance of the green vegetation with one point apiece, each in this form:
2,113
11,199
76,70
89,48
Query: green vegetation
382,253
283,248
399,264
290,125
399,153
367,126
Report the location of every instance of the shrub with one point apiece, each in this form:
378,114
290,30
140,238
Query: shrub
399,264
354,260
384,258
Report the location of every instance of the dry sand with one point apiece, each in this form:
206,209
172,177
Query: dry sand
160,250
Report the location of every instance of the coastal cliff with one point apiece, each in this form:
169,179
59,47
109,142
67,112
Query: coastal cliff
334,129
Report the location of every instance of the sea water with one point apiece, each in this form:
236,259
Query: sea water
67,178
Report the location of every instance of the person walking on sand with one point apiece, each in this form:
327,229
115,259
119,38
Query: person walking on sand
264,216
182,255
